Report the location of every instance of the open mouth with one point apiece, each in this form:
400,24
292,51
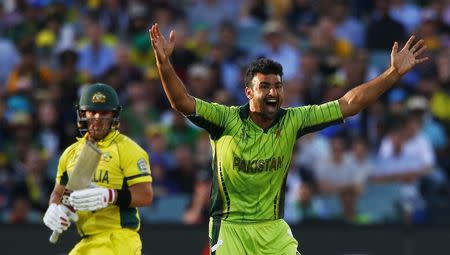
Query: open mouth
272,103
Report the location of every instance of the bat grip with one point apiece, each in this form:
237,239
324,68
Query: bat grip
54,237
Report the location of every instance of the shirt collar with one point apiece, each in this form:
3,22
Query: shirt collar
244,113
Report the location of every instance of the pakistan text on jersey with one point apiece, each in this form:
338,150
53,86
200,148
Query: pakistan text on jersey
101,176
257,165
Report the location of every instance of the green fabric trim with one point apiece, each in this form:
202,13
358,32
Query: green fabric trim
64,178
215,234
136,176
128,216
214,130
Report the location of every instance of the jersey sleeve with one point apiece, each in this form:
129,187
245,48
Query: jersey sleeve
316,117
61,173
212,117
135,164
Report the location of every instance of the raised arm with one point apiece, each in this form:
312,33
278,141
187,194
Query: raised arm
365,94
174,88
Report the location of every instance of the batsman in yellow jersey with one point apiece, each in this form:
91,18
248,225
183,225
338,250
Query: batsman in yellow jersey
106,213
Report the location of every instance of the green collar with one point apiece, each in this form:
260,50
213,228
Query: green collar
244,113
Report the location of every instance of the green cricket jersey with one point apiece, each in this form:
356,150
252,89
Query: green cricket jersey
250,164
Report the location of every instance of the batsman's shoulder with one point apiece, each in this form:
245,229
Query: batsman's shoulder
127,144
71,149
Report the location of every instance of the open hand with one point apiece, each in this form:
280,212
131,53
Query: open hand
162,48
408,57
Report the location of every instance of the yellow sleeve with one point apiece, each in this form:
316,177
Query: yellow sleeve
61,173
135,164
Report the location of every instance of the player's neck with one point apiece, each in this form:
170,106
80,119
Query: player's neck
260,120
95,140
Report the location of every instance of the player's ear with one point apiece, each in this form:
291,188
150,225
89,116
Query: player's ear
249,92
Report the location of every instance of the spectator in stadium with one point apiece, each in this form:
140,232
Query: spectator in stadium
21,212
405,12
274,46
301,17
114,17
95,56
123,71
199,80
35,185
9,58
185,171
440,96
330,49
310,149
382,29
179,131
198,210
347,27
6,182
301,203
28,75
157,146
406,156
335,171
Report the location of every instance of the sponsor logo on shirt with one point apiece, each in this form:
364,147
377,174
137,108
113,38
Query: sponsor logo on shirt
106,156
258,165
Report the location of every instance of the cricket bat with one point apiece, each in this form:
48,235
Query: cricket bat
82,174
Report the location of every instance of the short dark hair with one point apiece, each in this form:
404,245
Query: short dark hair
264,66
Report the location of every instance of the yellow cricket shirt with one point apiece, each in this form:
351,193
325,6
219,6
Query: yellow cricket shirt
123,164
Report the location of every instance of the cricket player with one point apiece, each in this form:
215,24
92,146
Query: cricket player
106,214
252,144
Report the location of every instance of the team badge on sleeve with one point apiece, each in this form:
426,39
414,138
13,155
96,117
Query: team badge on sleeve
143,166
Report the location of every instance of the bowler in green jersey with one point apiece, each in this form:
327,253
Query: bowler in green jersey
252,145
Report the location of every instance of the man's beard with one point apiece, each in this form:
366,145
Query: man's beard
98,131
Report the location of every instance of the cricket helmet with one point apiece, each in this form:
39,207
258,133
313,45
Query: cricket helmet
98,97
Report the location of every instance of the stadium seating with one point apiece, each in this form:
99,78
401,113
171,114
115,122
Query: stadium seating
166,210
379,202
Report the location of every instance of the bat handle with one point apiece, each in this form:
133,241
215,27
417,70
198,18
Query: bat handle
54,237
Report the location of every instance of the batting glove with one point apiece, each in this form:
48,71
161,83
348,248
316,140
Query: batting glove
92,199
67,208
69,211
56,219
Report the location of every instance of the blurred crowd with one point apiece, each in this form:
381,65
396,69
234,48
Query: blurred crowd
396,150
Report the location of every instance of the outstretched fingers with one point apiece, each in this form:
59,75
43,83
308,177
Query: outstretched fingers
395,47
172,37
419,51
409,42
154,31
421,60
156,38
150,33
158,32
416,46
